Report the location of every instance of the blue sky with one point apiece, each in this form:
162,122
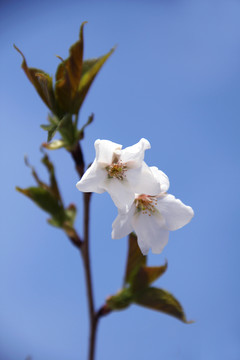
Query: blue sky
173,79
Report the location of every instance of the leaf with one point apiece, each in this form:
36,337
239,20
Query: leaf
146,275
135,258
41,81
68,75
46,201
120,301
54,145
68,131
154,272
52,129
70,213
160,300
91,68
53,182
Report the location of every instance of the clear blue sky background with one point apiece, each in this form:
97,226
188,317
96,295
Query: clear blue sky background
175,80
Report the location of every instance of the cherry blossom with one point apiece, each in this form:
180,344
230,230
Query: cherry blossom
120,172
152,217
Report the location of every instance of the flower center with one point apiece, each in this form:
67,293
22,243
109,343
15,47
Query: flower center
117,170
146,204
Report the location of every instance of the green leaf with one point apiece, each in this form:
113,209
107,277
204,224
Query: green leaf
68,75
91,68
68,131
135,258
41,81
121,300
160,300
53,182
46,201
52,129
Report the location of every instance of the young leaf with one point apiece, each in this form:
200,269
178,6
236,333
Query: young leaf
53,182
160,300
46,201
154,272
68,75
145,276
52,129
120,301
135,258
90,70
41,81
54,145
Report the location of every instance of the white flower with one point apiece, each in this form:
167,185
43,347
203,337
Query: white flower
121,173
152,217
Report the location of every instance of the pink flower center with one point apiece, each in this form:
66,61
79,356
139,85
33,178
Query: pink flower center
117,170
146,204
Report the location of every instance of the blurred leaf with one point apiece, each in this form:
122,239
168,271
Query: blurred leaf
68,75
146,275
81,131
52,129
53,181
135,258
54,145
120,301
68,131
46,201
71,213
160,300
41,81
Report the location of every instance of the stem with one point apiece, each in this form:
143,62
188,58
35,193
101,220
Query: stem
77,156
86,256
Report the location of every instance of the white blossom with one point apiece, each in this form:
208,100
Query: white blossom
152,217
120,172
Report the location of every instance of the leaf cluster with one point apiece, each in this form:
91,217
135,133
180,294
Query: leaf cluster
65,96
48,198
137,287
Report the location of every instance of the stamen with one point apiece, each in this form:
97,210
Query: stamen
117,170
146,204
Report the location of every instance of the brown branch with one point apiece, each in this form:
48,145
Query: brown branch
77,156
83,245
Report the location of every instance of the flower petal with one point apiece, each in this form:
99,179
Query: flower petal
122,226
162,178
104,151
176,213
93,179
120,192
151,232
134,155
143,181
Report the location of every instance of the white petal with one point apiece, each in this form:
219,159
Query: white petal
122,226
120,192
134,155
105,150
176,213
162,178
93,179
144,181
150,232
